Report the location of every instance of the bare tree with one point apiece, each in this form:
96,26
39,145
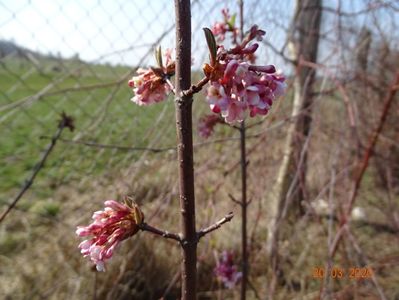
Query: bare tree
303,42
363,49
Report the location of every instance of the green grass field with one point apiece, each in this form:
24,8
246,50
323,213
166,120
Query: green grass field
102,115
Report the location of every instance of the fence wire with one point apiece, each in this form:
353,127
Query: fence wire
77,57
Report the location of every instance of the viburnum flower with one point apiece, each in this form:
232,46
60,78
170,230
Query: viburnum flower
226,270
219,29
236,86
112,225
150,85
207,123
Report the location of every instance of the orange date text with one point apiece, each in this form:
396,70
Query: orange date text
341,273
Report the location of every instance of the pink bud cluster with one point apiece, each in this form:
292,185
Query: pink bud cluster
207,123
237,86
112,225
150,85
219,29
226,271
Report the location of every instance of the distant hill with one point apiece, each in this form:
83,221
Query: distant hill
10,48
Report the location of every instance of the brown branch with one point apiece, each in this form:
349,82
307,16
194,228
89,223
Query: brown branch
244,205
217,225
244,169
370,8
165,234
195,88
235,200
184,129
365,162
65,121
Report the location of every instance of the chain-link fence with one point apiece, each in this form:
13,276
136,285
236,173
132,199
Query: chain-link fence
76,57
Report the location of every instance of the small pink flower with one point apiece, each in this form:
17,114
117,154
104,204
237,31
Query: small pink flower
226,271
256,33
148,87
112,225
207,123
235,112
219,29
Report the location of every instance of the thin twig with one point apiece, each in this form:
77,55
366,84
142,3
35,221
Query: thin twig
172,87
366,261
280,52
197,145
195,88
365,162
174,280
65,121
163,233
232,198
254,289
218,224
112,146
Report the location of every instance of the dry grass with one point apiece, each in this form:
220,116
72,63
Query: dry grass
38,248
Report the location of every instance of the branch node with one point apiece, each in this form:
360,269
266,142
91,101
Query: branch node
235,200
195,88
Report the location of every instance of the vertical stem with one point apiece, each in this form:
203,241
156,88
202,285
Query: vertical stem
244,213
243,185
183,106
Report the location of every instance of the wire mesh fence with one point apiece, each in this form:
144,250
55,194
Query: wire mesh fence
77,56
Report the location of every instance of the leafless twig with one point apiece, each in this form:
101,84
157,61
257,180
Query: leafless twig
112,146
65,121
365,162
195,88
163,233
218,224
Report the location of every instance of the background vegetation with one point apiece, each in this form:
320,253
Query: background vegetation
39,258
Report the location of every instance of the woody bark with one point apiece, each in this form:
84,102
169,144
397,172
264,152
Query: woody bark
183,105
303,44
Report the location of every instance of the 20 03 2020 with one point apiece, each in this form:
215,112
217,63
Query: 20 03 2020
356,273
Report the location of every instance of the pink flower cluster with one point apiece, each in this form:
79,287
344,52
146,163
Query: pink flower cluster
226,271
237,86
150,85
114,224
219,29
207,123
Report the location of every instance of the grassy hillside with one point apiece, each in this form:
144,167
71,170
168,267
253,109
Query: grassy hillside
102,115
